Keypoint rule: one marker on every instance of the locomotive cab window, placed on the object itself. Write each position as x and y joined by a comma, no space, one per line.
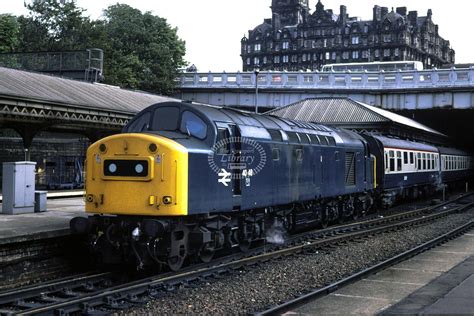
165,119
193,125
140,124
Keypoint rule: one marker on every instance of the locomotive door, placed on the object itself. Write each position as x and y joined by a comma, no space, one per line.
236,150
228,148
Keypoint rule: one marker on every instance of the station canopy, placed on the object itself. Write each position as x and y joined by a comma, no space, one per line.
350,114
30,86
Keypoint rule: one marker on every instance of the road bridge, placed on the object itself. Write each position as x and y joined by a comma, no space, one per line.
402,90
442,99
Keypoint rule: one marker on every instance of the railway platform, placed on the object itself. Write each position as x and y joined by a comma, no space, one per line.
439,281
61,207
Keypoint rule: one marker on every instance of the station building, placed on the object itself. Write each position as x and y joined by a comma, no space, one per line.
295,39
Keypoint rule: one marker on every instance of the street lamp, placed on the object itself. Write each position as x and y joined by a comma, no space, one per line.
256,72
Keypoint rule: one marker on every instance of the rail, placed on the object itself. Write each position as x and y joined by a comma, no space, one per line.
432,78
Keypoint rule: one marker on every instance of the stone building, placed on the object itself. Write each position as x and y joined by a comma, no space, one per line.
296,39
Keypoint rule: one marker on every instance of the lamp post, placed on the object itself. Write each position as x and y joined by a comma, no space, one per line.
256,72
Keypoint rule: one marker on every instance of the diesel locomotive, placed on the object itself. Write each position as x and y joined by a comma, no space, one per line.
183,181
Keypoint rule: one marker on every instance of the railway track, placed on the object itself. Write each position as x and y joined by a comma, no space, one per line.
93,294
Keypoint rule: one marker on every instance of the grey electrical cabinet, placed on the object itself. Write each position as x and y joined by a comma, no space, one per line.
18,187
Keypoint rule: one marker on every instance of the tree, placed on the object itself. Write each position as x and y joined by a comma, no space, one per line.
61,25
144,50
9,32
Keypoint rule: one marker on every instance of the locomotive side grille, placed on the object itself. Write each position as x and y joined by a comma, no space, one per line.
350,169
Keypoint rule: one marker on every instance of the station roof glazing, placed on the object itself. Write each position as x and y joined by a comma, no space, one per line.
24,85
346,113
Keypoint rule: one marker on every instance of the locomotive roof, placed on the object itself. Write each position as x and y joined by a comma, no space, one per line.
239,117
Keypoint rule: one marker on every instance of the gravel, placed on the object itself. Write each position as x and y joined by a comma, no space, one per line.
255,288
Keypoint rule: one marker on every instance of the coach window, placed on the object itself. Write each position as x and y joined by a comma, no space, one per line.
405,158
399,161
193,125
391,155
418,156
412,158
424,160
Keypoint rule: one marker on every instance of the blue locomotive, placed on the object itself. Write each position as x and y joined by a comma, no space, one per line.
186,180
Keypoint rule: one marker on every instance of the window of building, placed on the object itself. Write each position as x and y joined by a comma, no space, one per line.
276,59
294,58
377,53
257,47
366,28
386,52
285,58
328,55
387,38
345,55
248,61
355,40
397,52
265,59
334,55
285,45
256,61
365,54
355,54
325,43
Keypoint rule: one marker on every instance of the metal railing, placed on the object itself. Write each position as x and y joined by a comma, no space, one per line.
332,80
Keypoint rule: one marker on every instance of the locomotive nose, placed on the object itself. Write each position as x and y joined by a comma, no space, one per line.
137,174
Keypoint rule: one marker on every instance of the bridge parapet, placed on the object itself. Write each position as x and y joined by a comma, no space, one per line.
432,78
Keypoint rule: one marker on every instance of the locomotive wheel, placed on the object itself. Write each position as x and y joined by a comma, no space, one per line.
175,263
207,253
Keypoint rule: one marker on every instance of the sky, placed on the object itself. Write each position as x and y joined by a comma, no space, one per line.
212,29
